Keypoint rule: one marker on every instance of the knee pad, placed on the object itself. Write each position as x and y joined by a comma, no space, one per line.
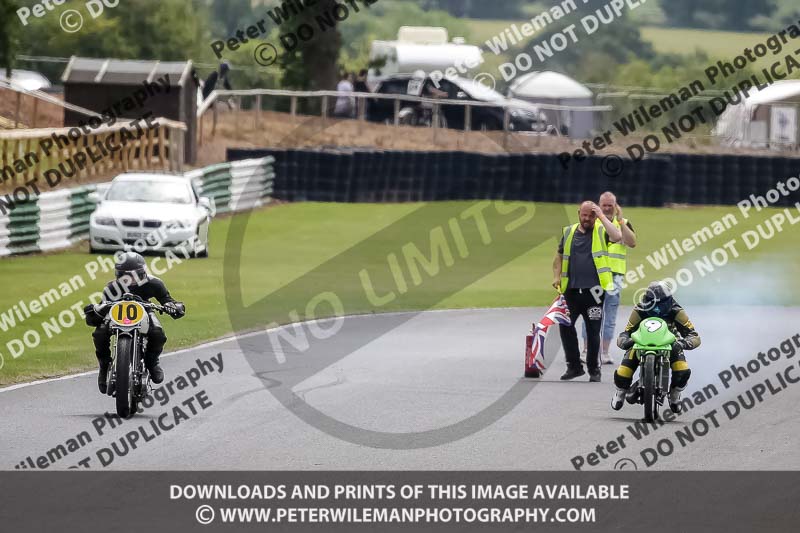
622,382
623,377
681,377
155,342
102,344
101,333
157,336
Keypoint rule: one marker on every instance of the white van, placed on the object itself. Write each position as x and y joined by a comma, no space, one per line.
421,48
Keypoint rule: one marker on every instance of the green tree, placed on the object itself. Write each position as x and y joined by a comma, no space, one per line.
784,12
9,24
742,13
227,16
164,29
734,15
597,54
478,8
681,13
311,64
145,29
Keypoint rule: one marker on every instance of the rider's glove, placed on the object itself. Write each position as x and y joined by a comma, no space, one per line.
625,343
175,309
684,344
93,318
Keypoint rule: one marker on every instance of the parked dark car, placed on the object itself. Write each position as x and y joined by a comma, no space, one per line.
524,116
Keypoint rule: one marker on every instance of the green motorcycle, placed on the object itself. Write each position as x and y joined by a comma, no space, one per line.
653,349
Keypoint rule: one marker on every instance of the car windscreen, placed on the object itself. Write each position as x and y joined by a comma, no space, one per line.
149,191
479,91
394,87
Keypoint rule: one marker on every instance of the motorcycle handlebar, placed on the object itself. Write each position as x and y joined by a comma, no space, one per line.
105,306
161,309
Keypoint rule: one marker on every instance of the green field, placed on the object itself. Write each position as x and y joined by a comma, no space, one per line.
665,40
482,30
719,44
287,242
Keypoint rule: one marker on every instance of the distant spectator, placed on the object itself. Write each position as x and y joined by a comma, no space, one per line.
360,86
344,104
195,78
198,84
214,77
421,85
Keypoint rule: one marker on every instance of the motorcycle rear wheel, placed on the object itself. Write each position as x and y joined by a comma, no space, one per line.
124,381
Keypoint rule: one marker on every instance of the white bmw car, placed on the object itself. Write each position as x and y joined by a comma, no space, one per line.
150,212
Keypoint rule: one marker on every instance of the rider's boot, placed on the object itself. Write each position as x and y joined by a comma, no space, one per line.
675,399
156,373
619,398
633,393
102,376
151,356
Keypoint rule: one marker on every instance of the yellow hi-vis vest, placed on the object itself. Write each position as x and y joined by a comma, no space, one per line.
617,254
599,254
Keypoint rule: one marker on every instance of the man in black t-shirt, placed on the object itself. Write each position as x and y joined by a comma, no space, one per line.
581,273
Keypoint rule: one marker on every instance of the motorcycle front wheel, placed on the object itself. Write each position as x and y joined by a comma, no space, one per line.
649,386
124,381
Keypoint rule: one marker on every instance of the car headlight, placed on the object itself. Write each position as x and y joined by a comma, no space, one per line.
104,221
179,224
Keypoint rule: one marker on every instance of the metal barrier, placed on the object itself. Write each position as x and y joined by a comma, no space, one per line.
59,219
360,98
236,186
48,222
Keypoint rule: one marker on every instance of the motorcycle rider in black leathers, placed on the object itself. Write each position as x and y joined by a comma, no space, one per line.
657,302
132,277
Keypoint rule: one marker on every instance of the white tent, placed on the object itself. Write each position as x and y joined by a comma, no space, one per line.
767,118
559,89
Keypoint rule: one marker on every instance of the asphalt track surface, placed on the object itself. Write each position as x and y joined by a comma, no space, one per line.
432,371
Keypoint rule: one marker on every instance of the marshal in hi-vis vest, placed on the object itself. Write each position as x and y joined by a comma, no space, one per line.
599,255
617,254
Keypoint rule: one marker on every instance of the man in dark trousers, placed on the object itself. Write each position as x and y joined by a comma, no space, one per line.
582,273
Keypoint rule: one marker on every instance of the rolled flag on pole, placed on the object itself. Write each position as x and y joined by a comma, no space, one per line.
534,343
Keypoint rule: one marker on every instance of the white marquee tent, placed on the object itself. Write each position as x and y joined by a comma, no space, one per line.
558,89
768,118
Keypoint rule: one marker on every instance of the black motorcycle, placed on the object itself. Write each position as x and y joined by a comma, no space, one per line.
128,378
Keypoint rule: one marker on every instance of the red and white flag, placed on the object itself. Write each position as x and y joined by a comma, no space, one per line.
534,343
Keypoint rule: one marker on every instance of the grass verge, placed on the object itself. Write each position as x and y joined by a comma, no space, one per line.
284,242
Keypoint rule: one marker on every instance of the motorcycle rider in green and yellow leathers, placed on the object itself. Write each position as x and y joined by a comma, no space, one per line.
657,302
